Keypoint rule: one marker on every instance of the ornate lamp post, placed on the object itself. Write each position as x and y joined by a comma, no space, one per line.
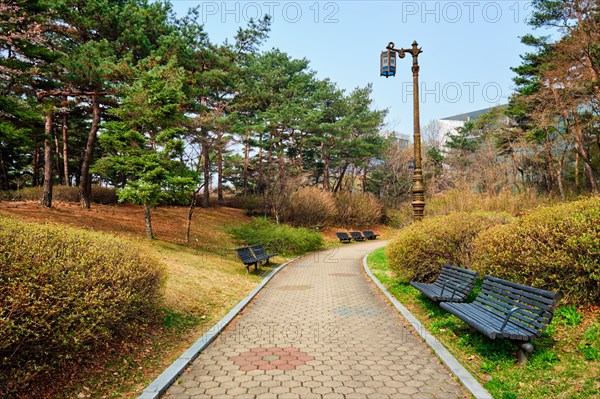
388,68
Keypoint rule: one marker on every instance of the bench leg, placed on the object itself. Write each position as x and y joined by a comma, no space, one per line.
525,349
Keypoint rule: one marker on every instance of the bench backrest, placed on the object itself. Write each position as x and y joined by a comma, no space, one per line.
536,306
245,254
258,250
356,234
456,278
342,236
368,233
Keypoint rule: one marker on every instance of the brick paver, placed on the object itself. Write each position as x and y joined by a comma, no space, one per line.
319,329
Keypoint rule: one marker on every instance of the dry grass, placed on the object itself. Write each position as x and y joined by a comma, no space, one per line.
468,200
205,280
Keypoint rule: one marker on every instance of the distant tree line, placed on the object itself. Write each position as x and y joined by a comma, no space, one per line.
548,138
127,94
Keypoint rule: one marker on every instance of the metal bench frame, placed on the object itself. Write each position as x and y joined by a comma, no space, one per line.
454,284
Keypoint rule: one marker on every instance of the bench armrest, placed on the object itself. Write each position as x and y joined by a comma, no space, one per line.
452,288
516,309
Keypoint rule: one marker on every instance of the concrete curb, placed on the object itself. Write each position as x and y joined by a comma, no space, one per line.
164,381
463,375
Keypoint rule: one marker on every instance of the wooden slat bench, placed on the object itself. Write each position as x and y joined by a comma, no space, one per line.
343,237
357,236
452,285
369,235
504,309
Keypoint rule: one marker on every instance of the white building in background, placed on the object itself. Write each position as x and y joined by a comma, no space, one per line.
449,125
403,139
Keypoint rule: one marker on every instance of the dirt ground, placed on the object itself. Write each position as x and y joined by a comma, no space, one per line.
169,223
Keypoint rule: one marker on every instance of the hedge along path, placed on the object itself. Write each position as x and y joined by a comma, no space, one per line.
319,329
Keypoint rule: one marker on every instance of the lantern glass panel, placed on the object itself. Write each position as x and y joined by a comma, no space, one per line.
388,63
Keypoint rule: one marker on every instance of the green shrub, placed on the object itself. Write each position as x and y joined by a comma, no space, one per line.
66,291
310,206
280,238
419,251
554,247
357,211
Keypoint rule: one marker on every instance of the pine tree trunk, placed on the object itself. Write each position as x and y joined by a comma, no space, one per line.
260,167
36,165
577,171
191,214
206,160
3,174
363,186
148,220
338,184
85,187
246,159
269,176
46,200
300,149
65,151
326,173
57,160
587,167
281,162
220,198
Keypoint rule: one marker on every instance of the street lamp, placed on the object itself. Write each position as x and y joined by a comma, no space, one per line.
388,68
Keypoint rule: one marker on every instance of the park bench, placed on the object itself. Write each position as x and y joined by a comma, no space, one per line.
357,236
504,309
452,285
260,253
369,235
247,257
343,237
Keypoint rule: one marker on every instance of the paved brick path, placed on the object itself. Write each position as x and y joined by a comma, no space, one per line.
319,329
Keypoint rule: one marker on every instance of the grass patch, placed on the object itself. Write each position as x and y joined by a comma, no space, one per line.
564,364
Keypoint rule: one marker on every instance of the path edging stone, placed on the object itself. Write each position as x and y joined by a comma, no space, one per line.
461,373
164,381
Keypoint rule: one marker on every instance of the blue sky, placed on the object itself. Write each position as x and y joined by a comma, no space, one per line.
468,46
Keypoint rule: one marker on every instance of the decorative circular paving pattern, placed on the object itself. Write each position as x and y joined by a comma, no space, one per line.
342,274
271,359
298,287
356,311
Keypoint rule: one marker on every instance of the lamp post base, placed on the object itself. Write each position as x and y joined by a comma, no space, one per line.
418,197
